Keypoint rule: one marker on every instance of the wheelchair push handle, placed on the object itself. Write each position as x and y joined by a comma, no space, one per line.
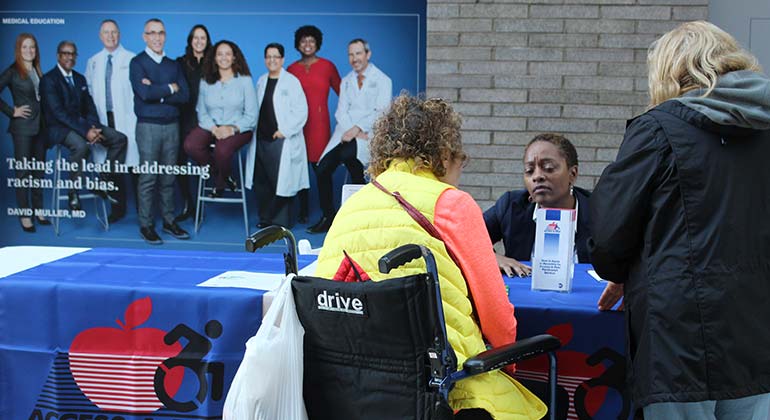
265,237
406,253
398,257
270,234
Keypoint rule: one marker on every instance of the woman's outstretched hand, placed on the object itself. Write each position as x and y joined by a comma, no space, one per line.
511,267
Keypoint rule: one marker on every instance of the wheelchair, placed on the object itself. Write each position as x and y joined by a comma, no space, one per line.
379,350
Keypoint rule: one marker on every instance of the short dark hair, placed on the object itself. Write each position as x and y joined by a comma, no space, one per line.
361,40
566,149
210,69
66,42
112,21
308,30
154,20
275,45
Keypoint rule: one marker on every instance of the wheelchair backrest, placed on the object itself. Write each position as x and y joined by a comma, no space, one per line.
366,347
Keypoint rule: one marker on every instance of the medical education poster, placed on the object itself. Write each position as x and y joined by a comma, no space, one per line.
395,32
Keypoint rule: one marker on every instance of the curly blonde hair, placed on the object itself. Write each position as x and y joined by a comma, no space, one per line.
426,130
693,56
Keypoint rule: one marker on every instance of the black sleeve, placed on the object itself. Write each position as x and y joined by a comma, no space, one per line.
5,81
620,201
493,216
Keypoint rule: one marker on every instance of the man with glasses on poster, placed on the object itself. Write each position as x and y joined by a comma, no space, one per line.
159,88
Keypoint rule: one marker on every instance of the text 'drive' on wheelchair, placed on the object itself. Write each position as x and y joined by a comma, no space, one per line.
379,350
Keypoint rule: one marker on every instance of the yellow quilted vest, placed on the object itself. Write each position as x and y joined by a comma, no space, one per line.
370,224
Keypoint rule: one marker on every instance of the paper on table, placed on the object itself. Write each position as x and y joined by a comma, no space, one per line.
253,280
245,279
348,190
305,248
15,259
596,276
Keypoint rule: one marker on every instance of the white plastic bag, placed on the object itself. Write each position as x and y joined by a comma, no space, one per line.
268,383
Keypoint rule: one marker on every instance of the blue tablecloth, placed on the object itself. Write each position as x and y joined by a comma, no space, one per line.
591,361
67,333
67,329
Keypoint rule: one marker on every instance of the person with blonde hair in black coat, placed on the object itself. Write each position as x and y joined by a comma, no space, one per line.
681,218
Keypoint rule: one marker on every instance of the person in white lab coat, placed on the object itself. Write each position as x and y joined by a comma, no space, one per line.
365,93
277,152
114,100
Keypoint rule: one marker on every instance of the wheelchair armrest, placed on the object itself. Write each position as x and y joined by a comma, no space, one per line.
511,353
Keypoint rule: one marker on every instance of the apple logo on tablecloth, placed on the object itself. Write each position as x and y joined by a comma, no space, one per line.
115,367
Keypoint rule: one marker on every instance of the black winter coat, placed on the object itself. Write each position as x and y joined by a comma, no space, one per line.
684,215
188,116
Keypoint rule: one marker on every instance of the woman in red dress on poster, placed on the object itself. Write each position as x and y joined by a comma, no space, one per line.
316,75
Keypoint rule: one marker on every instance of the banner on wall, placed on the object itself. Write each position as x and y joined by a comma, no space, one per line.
394,30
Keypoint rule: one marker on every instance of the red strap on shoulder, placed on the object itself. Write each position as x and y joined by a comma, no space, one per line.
419,218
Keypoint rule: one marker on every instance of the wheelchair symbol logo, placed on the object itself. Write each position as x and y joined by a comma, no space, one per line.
191,358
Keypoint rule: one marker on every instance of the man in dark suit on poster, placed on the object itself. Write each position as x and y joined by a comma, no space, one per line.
72,121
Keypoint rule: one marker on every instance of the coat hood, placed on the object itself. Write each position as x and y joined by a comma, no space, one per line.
740,99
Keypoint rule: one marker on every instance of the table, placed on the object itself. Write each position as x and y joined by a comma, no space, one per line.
83,337
592,359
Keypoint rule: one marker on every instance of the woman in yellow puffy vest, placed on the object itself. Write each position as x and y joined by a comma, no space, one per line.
416,150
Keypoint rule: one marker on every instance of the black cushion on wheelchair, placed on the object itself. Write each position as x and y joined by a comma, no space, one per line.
366,348
511,353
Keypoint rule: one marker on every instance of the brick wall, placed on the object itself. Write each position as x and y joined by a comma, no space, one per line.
515,68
